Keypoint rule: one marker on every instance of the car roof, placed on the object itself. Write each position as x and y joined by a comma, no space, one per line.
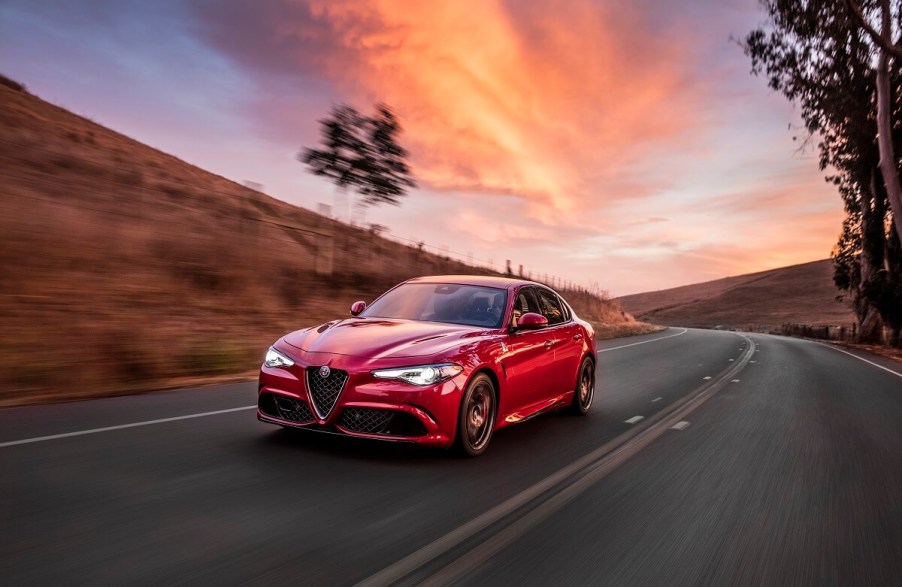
483,280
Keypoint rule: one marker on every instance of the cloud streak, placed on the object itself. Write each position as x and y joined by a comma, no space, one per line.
558,104
623,143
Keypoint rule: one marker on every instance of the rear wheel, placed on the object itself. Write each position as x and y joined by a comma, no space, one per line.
585,388
476,420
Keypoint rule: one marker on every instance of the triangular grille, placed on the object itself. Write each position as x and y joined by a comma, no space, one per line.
324,391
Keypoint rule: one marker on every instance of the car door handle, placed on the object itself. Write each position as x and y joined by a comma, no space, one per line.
577,337
548,344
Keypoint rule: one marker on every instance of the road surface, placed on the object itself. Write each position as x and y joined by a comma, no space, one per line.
709,458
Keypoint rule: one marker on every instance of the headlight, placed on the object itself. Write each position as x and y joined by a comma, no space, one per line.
422,375
276,359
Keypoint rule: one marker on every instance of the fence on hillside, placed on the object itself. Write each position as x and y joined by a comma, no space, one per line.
832,332
840,332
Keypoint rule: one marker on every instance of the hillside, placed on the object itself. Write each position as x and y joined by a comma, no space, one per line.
801,294
124,268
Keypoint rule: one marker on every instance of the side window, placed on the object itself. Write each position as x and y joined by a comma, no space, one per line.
523,303
551,307
568,313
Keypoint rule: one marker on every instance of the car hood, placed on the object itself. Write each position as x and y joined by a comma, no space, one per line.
377,338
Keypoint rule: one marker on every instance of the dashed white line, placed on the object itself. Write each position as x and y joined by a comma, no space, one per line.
680,425
634,419
657,399
706,378
685,330
731,360
122,426
735,381
597,463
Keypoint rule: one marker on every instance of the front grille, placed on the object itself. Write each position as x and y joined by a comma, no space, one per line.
284,408
324,391
372,421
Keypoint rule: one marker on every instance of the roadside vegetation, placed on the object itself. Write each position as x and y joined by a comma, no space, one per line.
125,269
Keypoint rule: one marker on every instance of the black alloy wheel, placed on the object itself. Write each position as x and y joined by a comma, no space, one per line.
585,388
476,420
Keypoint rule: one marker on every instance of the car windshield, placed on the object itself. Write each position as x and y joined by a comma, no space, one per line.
454,303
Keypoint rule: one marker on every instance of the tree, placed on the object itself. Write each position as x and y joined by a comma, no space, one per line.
886,49
362,153
816,54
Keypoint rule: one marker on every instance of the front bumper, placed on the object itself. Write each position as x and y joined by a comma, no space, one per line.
366,407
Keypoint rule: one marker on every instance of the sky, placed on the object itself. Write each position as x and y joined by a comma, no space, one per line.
623,145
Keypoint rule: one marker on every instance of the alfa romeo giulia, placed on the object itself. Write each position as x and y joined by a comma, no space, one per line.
440,361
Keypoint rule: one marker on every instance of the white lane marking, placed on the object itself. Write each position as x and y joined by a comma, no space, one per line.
751,361
731,360
888,370
614,348
680,425
634,419
657,399
599,462
121,426
706,378
735,381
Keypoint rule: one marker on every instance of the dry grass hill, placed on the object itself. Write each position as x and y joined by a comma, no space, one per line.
800,294
123,268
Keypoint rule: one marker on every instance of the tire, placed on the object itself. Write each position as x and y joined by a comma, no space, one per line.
476,419
585,388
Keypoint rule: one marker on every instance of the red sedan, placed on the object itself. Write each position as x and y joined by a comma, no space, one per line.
439,361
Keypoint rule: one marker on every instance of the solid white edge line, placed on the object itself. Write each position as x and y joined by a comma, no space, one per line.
614,348
121,426
887,369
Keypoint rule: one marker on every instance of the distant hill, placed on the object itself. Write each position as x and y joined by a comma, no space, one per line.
125,268
801,294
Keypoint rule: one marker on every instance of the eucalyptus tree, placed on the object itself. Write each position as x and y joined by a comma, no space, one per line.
817,54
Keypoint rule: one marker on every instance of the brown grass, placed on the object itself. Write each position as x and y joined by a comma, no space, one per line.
125,269
800,294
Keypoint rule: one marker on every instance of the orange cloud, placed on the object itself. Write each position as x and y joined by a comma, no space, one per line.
606,133
553,103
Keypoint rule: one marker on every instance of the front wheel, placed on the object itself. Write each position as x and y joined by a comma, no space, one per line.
585,388
476,420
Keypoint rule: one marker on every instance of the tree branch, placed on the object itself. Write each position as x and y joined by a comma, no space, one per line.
883,42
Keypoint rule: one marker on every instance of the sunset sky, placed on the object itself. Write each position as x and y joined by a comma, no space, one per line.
621,143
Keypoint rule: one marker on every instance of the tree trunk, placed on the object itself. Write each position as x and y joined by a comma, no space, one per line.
869,320
871,331
888,168
895,337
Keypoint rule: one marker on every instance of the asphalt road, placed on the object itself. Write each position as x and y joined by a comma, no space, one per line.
756,460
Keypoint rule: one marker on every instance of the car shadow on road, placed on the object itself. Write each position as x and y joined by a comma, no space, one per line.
522,441
307,441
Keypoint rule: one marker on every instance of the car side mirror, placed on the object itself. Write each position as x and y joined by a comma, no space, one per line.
531,321
357,308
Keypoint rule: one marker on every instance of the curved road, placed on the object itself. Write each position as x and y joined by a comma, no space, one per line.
710,457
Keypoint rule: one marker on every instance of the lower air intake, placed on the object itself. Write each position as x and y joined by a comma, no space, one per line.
284,408
385,422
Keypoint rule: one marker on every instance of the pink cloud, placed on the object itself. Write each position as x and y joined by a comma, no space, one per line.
557,112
